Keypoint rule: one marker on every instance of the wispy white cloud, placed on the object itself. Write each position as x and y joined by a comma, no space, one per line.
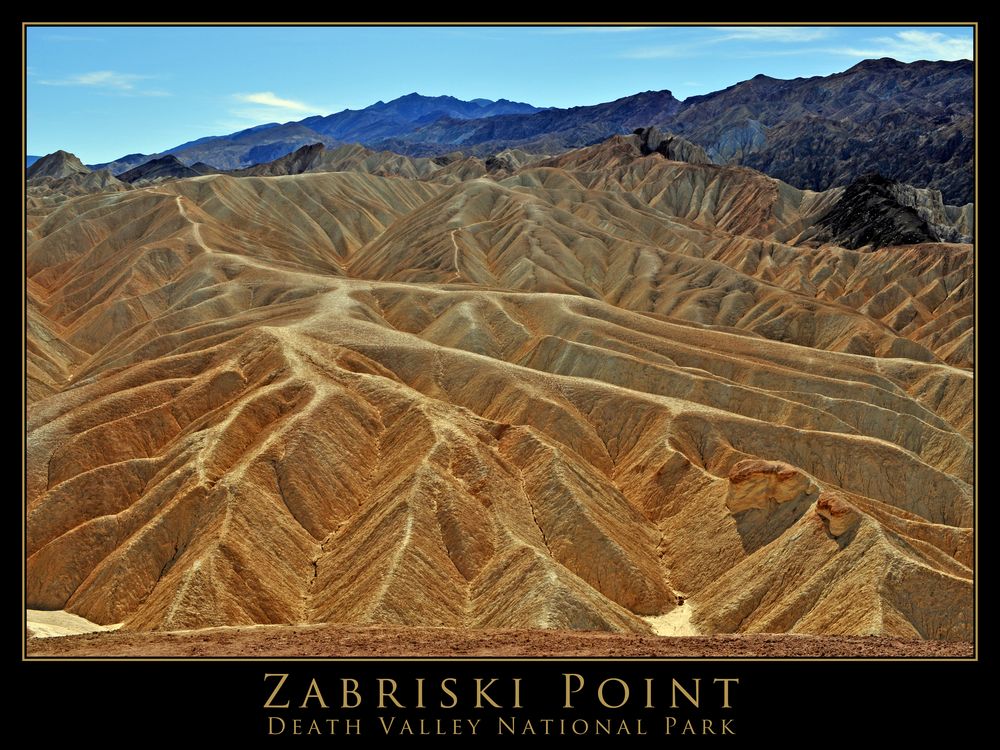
721,35
269,99
102,78
108,81
269,107
908,46
775,34
746,43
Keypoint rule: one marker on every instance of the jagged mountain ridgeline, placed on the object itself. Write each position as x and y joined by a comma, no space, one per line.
619,388
912,123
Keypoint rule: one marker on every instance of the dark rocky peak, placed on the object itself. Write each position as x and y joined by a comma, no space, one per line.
161,168
673,147
57,164
870,214
879,65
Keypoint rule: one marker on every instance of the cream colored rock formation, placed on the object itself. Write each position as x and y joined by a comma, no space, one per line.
763,484
841,516
552,399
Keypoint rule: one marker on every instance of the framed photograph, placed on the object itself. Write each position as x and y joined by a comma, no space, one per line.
606,380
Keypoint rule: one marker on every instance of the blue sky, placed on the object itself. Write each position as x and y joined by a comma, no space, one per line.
102,92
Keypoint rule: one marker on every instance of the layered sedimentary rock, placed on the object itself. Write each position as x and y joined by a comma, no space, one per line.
553,399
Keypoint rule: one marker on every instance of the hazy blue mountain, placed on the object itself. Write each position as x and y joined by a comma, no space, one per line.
264,143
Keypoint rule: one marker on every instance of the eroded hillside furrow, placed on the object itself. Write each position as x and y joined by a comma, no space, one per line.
545,396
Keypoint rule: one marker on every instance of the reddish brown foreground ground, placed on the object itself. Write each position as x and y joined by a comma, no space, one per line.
325,640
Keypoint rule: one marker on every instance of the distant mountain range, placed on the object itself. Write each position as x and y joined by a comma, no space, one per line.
911,122
264,143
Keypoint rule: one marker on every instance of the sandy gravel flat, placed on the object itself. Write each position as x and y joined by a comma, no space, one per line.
676,622
327,640
56,623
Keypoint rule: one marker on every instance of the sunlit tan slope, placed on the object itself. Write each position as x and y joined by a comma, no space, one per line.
564,399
